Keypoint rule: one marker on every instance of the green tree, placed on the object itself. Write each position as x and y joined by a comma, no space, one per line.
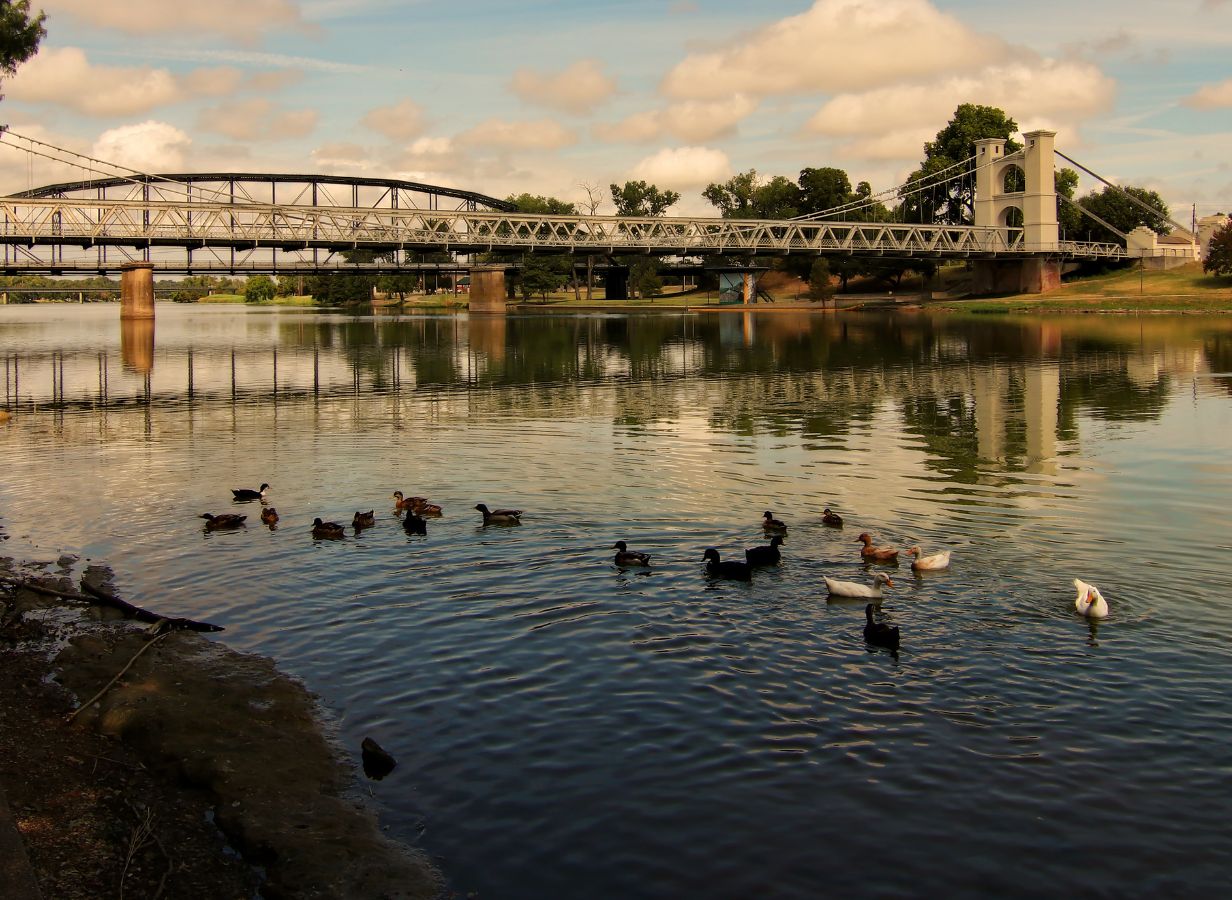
1219,254
1065,180
637,198
824,188
952,202
259,289
745,196
543,273
1115,207
336,288
20,34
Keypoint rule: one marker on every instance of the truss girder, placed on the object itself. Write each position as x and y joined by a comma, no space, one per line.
140,223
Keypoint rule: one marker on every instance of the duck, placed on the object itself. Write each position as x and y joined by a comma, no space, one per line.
627,557
499,516
879,634
423,508
924,563
364,519
269,516
401,502
415,524
737,571
765,556
880,554
1090,602
854,589
831,518
326,529
249,494
223,522
770,523
377,761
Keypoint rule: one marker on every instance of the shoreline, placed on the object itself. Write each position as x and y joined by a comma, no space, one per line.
202,772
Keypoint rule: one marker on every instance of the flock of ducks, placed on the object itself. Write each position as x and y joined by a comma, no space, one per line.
1089,602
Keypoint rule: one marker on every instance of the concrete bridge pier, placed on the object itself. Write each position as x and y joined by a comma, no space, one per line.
137,290
488,290
1015,276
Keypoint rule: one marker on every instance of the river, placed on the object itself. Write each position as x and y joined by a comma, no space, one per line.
565,728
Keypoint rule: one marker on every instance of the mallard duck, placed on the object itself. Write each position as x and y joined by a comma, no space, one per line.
770,523
737,571
499,516
223,522
833,519
880,554
327,529
765,556
401,502
269,516
423,508
924,563
627,557
415,524
1090,602
364,519
854,589
249,494
879,634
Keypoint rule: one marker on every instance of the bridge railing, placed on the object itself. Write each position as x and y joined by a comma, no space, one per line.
106,222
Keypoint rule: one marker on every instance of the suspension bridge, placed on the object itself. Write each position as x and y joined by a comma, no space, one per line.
118,219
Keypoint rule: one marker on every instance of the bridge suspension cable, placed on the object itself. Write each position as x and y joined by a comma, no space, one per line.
1128,196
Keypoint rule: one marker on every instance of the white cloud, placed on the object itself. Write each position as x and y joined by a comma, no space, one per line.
239,19
257,119
696,120
400,122
684,167
837,45
66,77
148,147
543,134
216,82
1211,96
578,89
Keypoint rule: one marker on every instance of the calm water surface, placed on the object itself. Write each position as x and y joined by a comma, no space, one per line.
567,729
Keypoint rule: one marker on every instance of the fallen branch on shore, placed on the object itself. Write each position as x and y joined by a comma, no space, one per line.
95,596
144,647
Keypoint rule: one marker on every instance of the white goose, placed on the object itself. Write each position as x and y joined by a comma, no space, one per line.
852,589
1090,602
936,561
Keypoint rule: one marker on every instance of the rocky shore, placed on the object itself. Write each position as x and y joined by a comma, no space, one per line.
201,772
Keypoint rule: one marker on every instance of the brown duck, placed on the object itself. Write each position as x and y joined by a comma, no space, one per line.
877,554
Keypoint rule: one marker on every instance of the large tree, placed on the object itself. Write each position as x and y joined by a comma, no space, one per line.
637,198
940,199
1219,254
746,196
20,34
542,273
824,188
1115,207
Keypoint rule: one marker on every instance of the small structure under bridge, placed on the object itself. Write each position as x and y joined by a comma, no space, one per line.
137,224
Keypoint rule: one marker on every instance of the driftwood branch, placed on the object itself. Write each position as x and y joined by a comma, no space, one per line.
144,615
96,596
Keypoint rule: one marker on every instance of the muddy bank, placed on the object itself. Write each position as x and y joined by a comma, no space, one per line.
193,736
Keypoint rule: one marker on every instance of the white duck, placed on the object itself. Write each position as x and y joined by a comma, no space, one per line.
852,589
936,561
1090,602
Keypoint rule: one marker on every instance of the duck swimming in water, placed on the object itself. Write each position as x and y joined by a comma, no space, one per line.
327,529
415,524
737,571
879,634
364,519
499,516
878,554
833,519
269,516
627,557
249,494
770,523
854,589
928,563
1090,602
223,522
765,556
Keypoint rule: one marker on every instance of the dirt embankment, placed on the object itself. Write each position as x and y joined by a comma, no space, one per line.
201,772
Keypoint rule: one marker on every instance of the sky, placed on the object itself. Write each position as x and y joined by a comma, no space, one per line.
553,97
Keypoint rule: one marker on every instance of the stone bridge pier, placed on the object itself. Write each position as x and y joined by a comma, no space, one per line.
137,290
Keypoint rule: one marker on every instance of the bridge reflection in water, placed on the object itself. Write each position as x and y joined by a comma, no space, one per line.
819,375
